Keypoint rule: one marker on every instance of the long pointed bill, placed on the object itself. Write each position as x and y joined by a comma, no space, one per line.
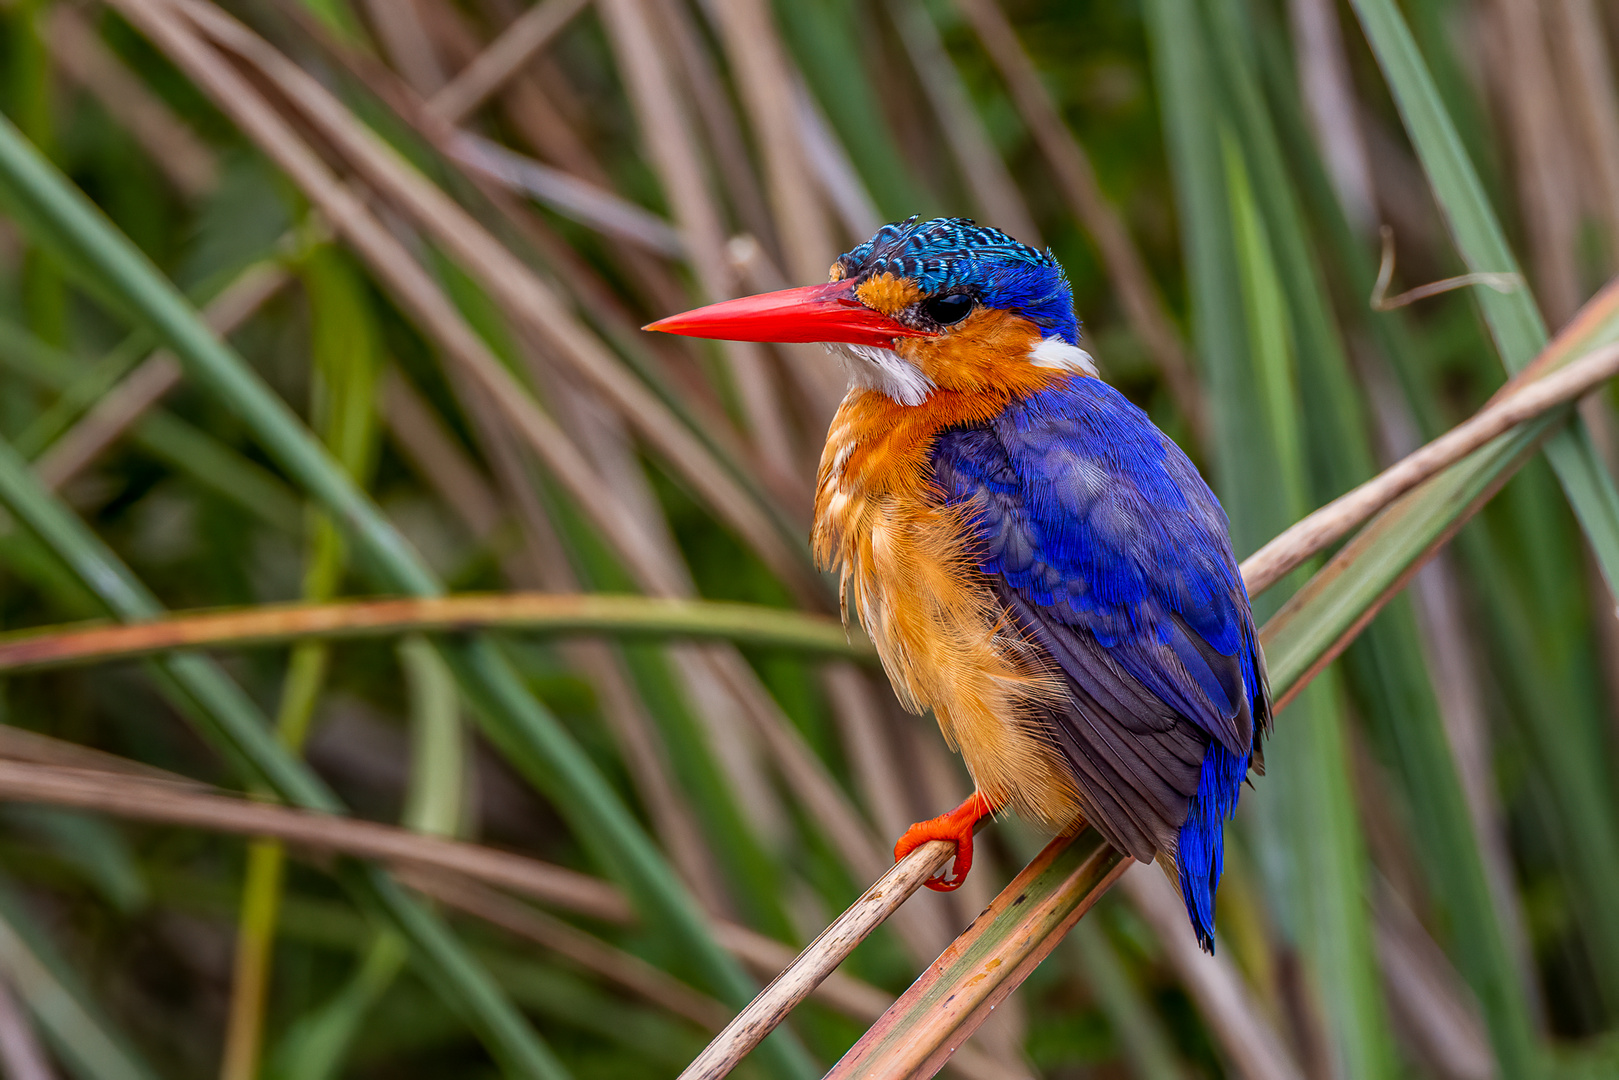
812,313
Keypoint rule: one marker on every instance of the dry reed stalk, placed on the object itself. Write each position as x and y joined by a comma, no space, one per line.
588,951
1525,86
129,791
645,754
991,958
1143,306
994,191
573,198
667,133
1223,999
530,303
494,67
116,411
398,28
22,1056
1593,97
824,954
1523,400
393,265
142,799
765,78
721,126
1430,999
1328,92
429,446
170,144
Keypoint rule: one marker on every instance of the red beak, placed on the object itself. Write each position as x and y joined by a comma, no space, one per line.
812,313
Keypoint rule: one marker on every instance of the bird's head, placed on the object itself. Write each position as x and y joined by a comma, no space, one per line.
923,305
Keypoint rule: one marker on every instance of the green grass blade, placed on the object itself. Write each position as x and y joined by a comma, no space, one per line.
1312,804
1513,319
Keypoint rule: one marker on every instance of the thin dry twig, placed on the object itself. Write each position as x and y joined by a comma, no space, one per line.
1381,301
588,951
987,176
493,68
158,801
1338,518
127,789
667,134
765,79
1143,306
579,200
991,958
818,960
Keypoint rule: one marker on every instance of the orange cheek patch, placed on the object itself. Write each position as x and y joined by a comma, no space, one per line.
888,294
986,351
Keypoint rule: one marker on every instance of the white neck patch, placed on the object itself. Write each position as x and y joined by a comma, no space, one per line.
884,370
1054,352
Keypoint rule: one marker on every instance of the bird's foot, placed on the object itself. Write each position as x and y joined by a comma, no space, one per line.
957,825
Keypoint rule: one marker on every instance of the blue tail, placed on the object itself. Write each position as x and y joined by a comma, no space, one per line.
1202,838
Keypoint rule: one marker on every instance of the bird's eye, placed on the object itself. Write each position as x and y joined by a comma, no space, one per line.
945,310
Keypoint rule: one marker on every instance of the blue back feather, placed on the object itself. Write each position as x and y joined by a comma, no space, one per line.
1099,523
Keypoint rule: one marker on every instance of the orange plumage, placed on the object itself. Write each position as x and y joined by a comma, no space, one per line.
905,560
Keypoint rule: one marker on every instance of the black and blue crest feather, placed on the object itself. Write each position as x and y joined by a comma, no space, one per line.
957,254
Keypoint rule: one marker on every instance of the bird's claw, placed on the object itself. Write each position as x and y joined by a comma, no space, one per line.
957,826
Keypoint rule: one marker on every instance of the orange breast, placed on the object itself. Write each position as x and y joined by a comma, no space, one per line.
945,641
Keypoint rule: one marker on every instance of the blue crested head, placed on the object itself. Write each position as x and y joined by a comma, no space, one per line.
958,256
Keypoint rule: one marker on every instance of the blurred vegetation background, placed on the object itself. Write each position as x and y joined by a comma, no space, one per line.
429,230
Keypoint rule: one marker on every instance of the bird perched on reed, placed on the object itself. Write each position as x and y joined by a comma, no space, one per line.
1035,561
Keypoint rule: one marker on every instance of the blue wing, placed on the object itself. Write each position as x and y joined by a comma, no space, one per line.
1108,549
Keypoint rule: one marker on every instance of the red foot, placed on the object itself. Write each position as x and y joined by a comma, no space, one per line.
957,825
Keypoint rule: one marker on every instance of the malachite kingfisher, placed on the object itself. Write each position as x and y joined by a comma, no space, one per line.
1035,560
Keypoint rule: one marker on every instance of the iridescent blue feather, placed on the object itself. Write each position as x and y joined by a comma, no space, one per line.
1108,547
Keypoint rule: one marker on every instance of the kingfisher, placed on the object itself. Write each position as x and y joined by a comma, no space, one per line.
1034,559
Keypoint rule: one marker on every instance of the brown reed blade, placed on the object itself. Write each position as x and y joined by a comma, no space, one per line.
491,69
987,962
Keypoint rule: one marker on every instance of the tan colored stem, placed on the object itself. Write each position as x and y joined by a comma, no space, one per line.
818,960
494,67
149,800
1338,518
1137,293
590,952
169,142
1223,998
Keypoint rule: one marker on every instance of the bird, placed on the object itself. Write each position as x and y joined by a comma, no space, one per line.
1035,561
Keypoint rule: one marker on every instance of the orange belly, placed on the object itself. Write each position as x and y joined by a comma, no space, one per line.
944,639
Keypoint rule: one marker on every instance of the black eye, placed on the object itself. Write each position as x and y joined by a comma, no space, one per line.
945,310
